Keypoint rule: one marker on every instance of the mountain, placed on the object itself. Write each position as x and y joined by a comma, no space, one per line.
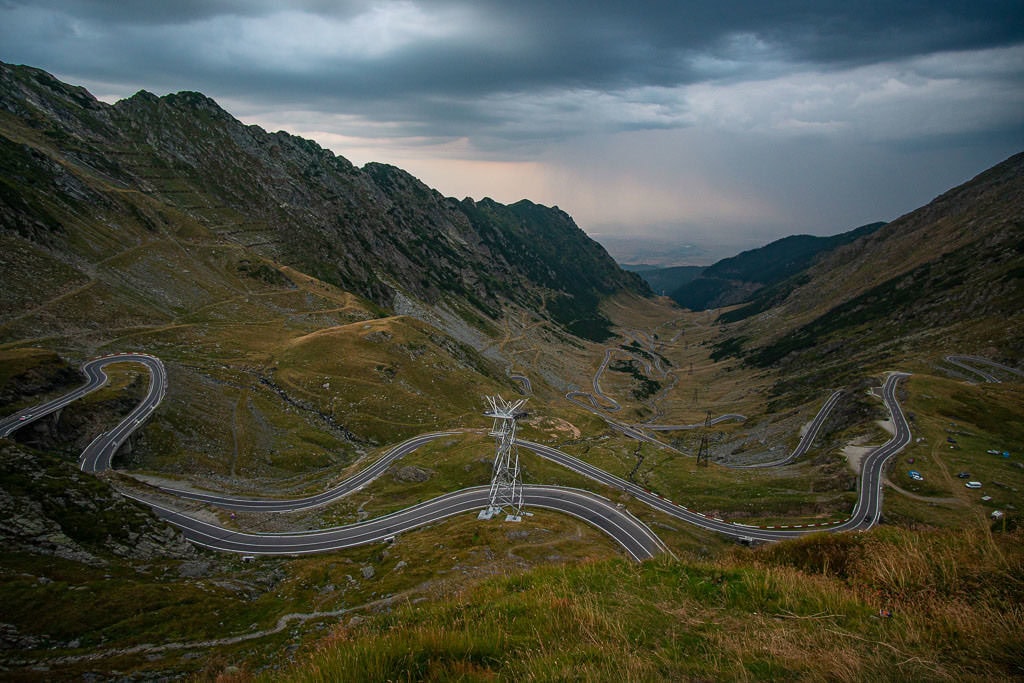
664,280
946,278
312,315
377,232
734,280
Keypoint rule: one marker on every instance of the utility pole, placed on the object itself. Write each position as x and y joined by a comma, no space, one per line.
506,485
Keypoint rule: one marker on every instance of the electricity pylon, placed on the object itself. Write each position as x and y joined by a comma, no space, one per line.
506,486
703,454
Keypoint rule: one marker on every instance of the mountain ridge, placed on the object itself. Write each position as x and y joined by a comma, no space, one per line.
736,279
376,231
946,277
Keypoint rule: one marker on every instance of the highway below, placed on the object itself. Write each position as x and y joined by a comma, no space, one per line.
635,538
964,363
810,434
639,542
865,514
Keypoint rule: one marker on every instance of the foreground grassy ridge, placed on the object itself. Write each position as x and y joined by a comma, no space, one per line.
91,615
807,610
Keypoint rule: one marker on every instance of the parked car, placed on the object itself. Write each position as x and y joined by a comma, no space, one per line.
964,475
973,484
915,475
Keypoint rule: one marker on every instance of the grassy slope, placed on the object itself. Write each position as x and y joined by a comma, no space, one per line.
807,610
280,381
643,634
223,426
946,277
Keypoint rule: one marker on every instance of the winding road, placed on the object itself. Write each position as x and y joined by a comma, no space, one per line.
964,363
866,511
636,538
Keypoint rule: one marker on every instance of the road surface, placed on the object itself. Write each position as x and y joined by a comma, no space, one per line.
964,363
631,534
805,441
635,538
866,511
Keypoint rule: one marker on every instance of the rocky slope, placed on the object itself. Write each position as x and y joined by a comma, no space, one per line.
50,507
946,278
735,279
69,160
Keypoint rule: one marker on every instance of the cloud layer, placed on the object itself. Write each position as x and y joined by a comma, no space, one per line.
652,116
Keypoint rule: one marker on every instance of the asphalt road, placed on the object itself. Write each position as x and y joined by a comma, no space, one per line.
353,483
98,455
638,541
869,499
964,363
866,511
95,378
636,538
805,442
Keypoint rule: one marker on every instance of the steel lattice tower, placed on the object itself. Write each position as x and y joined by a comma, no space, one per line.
506,486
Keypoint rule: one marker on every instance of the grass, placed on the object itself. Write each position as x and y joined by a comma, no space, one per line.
16,362
773,613
978,418
280,381
77,609
30,375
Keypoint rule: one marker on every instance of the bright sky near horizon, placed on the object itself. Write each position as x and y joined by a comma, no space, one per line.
724,121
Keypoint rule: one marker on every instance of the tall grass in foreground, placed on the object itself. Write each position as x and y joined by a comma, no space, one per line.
805,610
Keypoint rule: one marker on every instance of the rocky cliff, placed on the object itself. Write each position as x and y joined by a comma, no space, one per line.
50,507
69,159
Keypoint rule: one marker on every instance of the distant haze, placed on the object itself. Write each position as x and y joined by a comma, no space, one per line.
710,122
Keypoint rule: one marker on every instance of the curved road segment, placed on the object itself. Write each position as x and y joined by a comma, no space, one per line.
964,363
639,541
806,440
866,511
633,535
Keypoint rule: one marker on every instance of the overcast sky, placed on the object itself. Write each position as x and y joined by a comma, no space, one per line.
724,121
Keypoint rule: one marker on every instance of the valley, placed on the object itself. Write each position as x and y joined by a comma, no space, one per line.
307,347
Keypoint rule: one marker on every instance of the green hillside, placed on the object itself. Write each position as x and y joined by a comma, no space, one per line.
311,315
739,278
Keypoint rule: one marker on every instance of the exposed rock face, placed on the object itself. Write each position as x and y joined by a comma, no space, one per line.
49,507
375,231
411,474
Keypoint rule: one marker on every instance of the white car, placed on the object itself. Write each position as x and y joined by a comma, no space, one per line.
973,484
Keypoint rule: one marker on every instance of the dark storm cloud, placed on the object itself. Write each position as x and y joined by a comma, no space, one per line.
507,46
621,112
156,12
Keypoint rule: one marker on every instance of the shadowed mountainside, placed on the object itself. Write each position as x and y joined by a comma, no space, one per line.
736,279
377,232
946,278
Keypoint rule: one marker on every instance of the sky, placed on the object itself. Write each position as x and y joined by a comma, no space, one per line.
708,122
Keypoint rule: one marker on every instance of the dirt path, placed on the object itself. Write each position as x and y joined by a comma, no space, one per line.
924,499
282,624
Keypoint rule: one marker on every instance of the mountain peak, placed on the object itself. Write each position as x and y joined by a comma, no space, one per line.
378,231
